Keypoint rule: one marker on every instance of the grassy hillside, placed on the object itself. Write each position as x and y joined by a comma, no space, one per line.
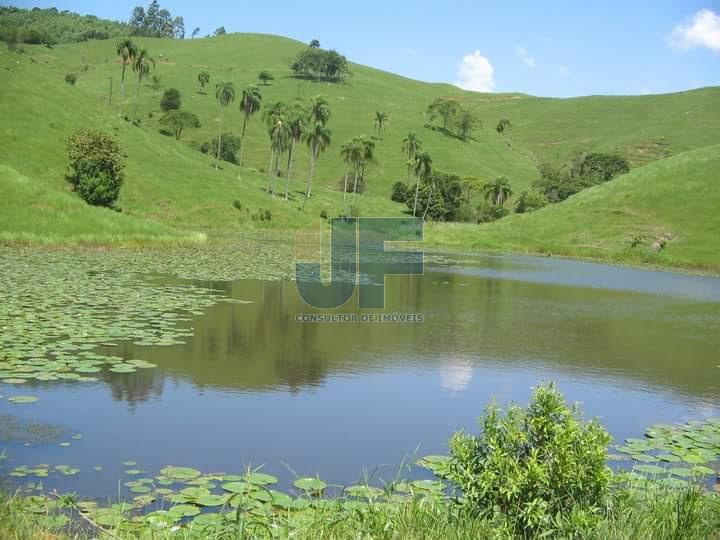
679,196
173,191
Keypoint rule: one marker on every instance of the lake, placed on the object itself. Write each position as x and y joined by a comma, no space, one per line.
253,386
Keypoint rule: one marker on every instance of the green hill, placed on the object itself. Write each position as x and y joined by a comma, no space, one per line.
172,190
677,197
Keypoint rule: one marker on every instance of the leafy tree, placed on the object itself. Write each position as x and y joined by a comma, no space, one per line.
445,109
318,139
316,63
228,144
503,125
596,168
530,201
440,196
314,44
96,168
156,22
498,191
296,124
171,100
195,32
203,79
127,51
265,77
488,212
225,94
71,79
381,119
219,31
468,185
250,103
176,121
422,166
142,65
466,123
411,146
529,466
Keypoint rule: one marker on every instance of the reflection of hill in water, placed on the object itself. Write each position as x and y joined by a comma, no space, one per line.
491,323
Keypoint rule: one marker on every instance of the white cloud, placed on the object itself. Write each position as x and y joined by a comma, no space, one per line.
476,73
524,55
702,30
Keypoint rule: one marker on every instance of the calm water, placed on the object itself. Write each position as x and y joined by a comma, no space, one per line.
253,386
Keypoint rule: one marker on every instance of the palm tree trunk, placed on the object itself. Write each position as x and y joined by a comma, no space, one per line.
122,86
310,176
137,97
217,157
345,187
272,155
417,190
276,170
352,199
242,139
432,191
289,169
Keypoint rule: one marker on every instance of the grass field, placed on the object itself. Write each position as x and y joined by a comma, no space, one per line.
173,192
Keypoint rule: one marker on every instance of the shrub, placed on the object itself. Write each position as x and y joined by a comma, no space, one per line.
265,77
399,192
71,79
530,466
323,214
529,201
230,144
237,204
490,212
95,167
262,214
170,100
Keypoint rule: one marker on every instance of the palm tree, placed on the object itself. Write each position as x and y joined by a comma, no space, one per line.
422,165
142,65
319,112
351,153
126,50
279,141
296,127
411,146
498,191
318,139
225,94
381,119
273,114
203,79
250,103
367,157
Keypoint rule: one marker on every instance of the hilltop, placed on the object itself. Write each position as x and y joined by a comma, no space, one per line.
172,191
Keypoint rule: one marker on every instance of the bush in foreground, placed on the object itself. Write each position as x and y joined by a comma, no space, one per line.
96,168
529,466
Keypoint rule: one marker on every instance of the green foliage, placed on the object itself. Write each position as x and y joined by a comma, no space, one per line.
50,26
96,169
316,63
71,79
171,100
498,191
455,119
530,466
175,122
265,77
503,125
488,212
203,78
400,192
220,31
155,22
229,145
586,170
529,201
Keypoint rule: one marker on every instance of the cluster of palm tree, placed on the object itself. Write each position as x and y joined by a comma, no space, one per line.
357,153
418,161
141,63
498,191
381,119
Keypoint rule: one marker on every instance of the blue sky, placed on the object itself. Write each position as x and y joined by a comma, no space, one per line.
559,48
